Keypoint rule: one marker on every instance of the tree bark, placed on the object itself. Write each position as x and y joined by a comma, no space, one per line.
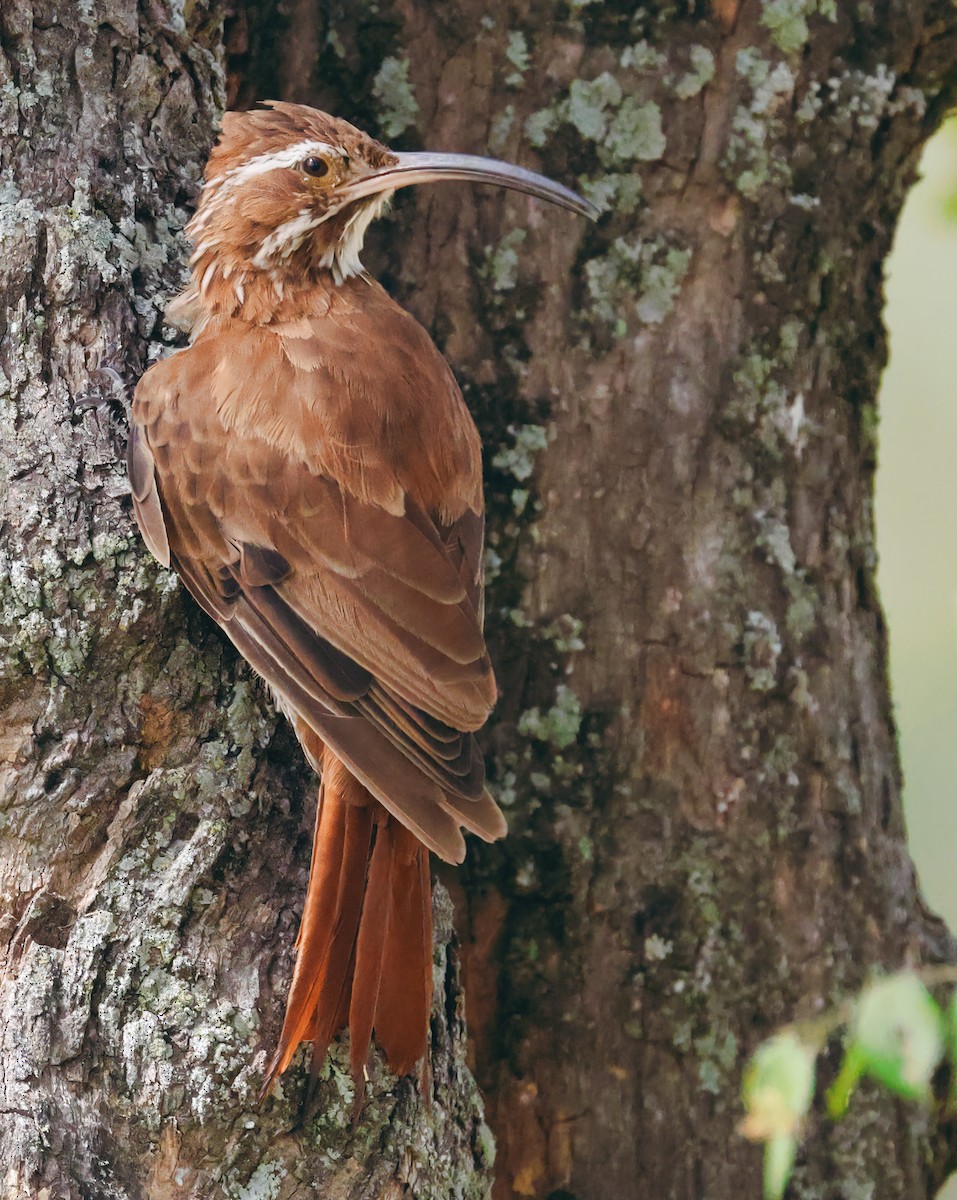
695,740
156,820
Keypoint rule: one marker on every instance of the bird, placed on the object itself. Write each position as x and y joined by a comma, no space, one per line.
309,468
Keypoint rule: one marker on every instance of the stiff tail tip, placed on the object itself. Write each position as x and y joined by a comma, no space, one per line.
365,940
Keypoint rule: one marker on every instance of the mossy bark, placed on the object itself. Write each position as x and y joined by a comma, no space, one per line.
695,740
155,819
695,737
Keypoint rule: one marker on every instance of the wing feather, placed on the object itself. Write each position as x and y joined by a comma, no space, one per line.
351,583
146,502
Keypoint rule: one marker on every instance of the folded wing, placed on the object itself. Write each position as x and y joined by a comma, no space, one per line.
363,617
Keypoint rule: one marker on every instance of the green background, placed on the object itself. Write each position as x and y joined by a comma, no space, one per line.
917,514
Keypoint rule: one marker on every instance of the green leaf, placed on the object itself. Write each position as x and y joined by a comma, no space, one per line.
778,1086
951,1048
839,1093
897,1037
778,1164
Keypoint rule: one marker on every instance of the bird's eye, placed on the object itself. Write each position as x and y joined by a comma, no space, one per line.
315,166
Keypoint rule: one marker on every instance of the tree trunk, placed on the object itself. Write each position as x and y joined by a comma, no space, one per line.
694,740
156,820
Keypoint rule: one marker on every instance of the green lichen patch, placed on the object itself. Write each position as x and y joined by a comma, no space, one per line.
619,122
614,192
502,261
770,420
717,1058
635,132
621,129
501,129
56,614
699,74
557,726
552,738
265,1183
761,406
518,459
754,159
398,109
642,56
591,104
867,98
565,634
516,51
787,20
762,650
636,279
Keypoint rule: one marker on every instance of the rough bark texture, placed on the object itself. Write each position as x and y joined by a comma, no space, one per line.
156,821
695,738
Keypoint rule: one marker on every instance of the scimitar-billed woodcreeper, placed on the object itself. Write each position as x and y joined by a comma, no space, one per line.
309,468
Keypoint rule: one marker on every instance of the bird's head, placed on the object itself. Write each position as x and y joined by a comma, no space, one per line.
290,192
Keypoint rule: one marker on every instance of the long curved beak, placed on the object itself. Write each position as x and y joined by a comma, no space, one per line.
438,168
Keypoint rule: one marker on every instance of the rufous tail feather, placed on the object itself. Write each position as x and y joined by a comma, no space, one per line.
364,951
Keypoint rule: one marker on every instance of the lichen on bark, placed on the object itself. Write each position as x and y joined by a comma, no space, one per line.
154,818
694,738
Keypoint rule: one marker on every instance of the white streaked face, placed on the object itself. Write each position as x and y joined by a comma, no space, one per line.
276,205
304,203
289,156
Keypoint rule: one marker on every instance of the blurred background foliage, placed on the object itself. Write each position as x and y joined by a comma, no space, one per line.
917,514
917,517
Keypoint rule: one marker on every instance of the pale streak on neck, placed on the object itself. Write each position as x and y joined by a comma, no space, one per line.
223,286
342,259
